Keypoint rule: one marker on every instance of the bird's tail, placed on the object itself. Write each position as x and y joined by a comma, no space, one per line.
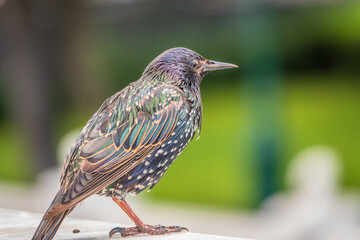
48,227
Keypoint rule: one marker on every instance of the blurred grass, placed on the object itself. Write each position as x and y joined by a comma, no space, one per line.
324,112
14,164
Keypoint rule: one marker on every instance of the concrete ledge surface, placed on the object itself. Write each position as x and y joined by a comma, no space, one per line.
19,225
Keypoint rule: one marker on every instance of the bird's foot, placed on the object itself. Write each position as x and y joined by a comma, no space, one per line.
146,229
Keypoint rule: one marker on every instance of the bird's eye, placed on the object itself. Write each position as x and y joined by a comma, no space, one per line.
193,64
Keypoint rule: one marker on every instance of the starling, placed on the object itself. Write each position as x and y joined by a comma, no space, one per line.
130,142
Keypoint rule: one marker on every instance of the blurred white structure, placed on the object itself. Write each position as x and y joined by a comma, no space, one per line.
315,209
19,225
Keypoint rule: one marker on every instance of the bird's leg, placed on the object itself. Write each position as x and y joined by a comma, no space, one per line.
141,228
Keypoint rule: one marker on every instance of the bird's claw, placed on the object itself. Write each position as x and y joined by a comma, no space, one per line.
146,229
124,232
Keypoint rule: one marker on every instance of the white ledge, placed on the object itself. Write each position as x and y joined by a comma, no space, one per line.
19,225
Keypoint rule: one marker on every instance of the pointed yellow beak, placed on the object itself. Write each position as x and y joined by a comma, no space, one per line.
211,65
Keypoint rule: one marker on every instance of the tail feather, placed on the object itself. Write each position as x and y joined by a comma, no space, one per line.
48,227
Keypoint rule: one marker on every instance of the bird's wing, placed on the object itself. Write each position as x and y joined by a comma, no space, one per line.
108,156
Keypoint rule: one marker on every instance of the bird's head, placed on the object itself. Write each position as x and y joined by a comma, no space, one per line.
183,67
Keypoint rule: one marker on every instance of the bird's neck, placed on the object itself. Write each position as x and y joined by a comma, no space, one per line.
192,93
190,89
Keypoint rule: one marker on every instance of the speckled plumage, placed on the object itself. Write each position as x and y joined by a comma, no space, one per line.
137,133
149,171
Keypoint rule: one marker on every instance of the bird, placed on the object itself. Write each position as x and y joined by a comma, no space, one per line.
133,138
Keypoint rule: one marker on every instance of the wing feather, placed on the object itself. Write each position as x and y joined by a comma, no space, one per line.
105,157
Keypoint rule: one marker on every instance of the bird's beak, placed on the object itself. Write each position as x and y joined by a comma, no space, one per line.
211,65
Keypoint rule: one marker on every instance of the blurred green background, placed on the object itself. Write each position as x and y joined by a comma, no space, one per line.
297,85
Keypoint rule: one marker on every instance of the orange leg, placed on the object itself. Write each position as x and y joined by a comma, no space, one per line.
141,228
127,209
